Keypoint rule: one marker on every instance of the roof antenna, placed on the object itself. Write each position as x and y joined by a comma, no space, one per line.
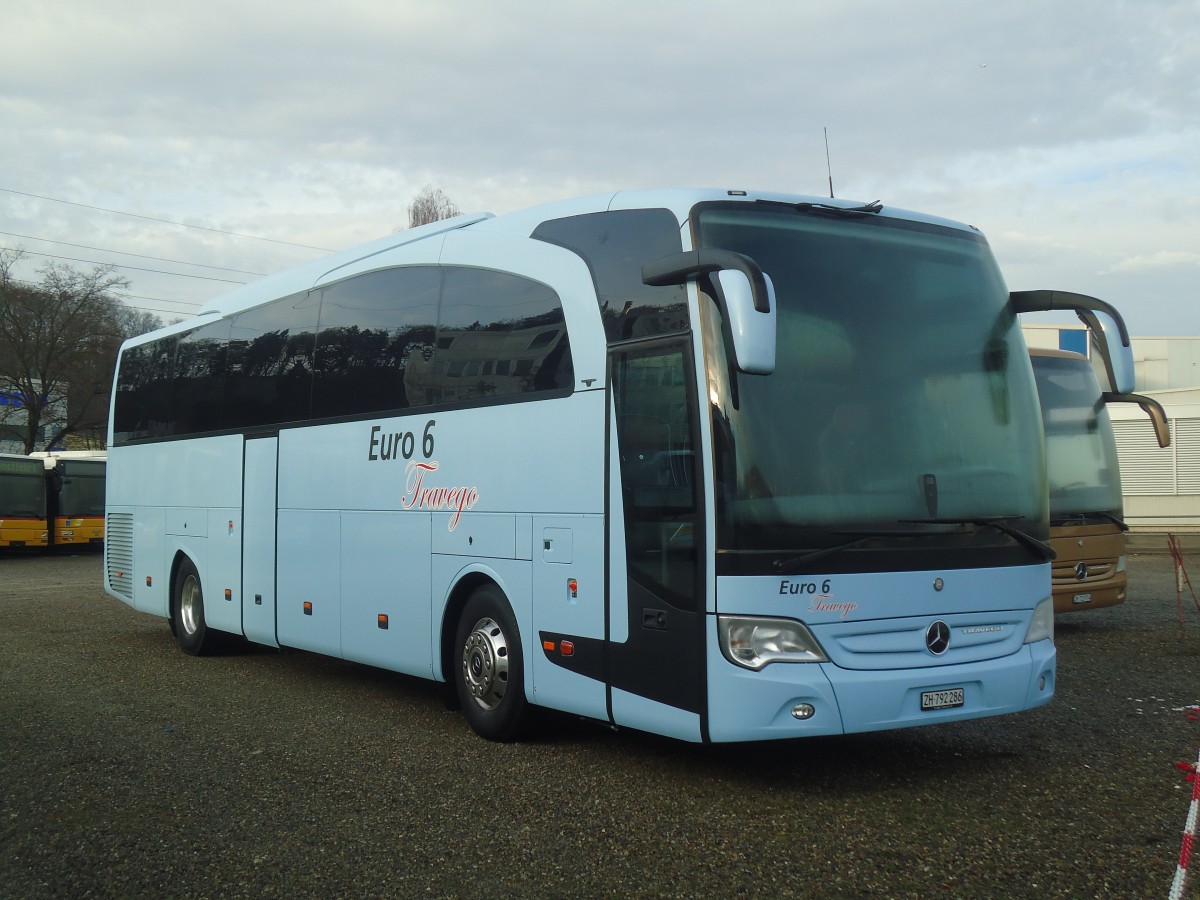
828,167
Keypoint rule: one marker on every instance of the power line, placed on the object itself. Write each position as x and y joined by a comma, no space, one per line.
195,303
118,212
179,262
131,268
166,312
123,297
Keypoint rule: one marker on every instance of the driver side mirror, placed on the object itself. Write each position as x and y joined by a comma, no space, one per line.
753,332
744,293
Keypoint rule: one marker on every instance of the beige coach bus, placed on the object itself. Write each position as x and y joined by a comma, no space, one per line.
1087,527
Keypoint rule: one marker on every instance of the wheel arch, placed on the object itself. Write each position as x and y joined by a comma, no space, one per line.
176,563
452,610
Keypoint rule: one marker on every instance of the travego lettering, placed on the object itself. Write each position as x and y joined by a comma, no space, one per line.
418,496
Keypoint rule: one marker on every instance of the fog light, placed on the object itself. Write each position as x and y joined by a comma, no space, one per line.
1042,683
803,711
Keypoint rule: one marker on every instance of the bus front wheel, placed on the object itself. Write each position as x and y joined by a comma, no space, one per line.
488,668
187,611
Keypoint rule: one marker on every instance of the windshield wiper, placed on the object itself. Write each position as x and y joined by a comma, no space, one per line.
1116,520
861,537
1039,548
865,209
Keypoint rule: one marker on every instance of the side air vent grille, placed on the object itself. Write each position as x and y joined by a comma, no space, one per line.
118,553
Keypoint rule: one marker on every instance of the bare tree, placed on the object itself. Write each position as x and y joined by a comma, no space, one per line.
132,322
58,344
431,205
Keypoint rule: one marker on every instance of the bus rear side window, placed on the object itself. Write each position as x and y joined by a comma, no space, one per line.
142,407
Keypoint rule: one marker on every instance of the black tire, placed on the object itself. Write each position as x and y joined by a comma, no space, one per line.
489,667
187,612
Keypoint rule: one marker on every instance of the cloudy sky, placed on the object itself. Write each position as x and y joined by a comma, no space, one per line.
1068,132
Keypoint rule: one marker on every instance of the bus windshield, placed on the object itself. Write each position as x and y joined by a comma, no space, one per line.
82,495
902,404
24,490
1081,456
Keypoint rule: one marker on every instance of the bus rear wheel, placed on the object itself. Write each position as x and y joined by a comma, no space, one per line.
187,611
489,667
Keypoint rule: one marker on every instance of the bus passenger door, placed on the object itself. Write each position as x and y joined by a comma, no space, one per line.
258,539
656,610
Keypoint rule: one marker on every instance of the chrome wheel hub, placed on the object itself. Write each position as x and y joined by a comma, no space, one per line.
485,663
190,605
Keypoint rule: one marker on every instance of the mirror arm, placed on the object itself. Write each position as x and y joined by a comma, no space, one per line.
681,267
1049,301
1151,407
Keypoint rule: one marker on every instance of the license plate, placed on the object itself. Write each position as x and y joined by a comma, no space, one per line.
942,699
1082,598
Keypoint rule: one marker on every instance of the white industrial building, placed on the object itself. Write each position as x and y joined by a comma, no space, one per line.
1161,486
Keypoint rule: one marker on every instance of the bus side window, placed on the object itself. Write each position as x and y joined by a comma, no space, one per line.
199,376
269,377
377,332
142,408
509,326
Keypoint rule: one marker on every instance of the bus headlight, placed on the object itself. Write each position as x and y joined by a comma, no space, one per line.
1121,563
755,642
1041,626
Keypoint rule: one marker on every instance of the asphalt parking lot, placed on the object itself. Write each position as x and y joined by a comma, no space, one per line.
129,769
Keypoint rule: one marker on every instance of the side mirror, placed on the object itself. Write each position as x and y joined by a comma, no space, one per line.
1104,334
744,292
753,332
1107,332
1152,408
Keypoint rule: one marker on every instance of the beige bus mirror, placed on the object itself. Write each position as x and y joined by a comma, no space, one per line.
1107,332
743,291
1152,408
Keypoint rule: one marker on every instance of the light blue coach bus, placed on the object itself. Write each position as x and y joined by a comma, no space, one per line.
719,465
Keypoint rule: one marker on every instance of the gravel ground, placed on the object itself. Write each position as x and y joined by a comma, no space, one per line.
128,769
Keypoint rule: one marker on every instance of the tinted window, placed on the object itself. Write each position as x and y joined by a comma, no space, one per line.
375,329
658,461
379,348
269,375
615,245
499,335
199,379
142,407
